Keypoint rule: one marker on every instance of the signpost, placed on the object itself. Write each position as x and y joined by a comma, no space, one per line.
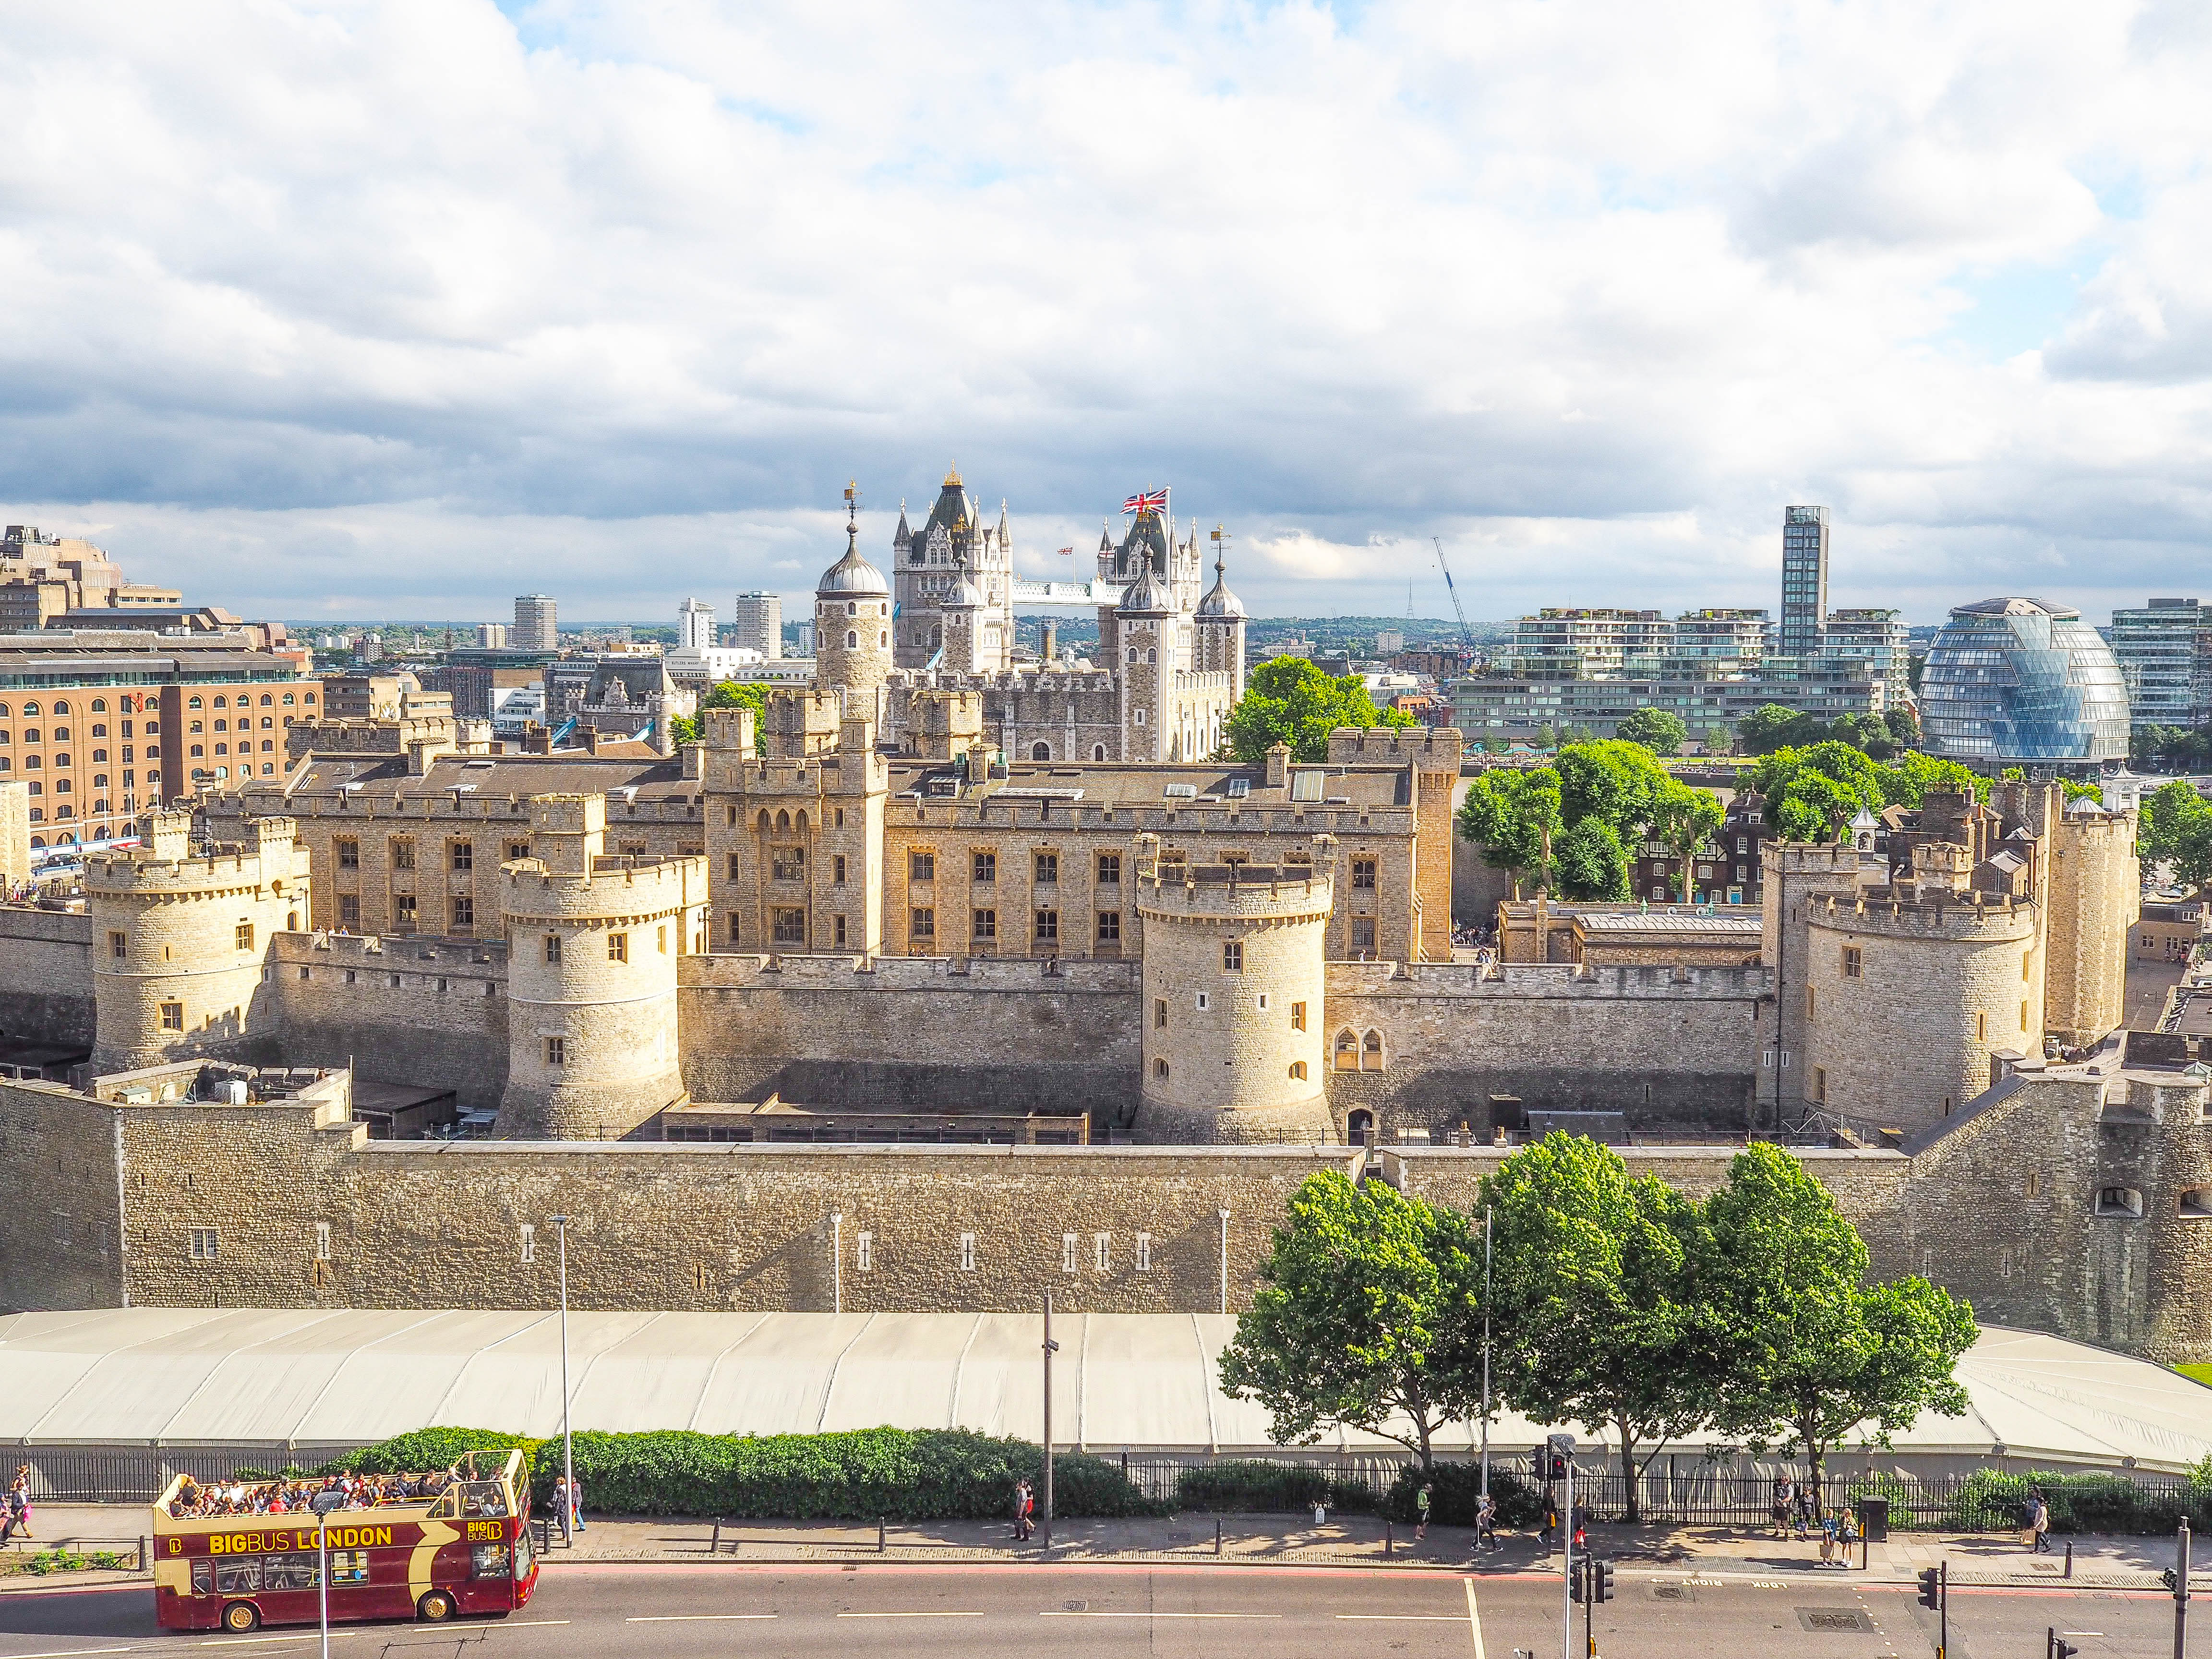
1560,1449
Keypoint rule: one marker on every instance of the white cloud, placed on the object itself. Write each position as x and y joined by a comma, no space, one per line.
384,308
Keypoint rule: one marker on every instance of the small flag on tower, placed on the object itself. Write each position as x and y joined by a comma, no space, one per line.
1153,500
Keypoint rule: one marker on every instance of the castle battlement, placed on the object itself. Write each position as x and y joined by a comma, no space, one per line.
1513,979
1973,916
873,975
1244,891
617,888
389,952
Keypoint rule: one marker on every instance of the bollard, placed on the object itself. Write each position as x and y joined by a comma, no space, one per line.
142,1552
1217,1535
1387,1538
714,1545
879,1535
2069,1558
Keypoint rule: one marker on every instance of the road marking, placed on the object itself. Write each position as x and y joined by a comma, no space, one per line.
58,1653
1417,1617
689,1618
335,1635
1473,1619
911,1615
1057,1615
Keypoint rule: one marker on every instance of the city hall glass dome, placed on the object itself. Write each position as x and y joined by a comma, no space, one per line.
2009,681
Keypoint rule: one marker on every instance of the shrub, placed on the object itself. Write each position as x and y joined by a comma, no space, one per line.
1255,1487
1902,1516
1459,1490
895,1473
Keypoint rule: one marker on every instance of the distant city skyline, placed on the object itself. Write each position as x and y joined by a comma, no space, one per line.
610,302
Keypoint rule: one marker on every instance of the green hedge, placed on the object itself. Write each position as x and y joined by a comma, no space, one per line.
932,1474
1990,1502
1458,1492
1255,1487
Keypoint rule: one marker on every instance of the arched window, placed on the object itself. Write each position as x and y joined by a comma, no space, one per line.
851,609
882,639
99,705
264,700
61,704
1133,656
1299,1069
1159,1068
852,639
1098,752
783,820
268,769
764,819
1152,656
1371,1056
194,702
223,702
30,708
1359,1128
800,823
287,699
38,840
291,921
1347,1050
1039,751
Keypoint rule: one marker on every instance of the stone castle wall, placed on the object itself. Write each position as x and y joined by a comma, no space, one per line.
912,1033
46,963
396,1010
1662,1045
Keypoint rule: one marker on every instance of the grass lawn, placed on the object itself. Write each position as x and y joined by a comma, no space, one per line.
2196,1374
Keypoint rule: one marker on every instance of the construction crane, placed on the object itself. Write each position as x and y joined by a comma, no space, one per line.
1466,633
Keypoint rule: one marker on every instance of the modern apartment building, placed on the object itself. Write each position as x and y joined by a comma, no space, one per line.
2165,652
1804,580
491,637
536,623
1517,708
1876,636
757,623
695,627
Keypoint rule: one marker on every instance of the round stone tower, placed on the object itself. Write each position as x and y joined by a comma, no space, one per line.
2095,895
592,945
1234,982
852,627
178,939
1905,1002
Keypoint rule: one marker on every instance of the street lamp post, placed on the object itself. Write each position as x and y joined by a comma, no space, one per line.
568,1440
1485,1353
1051,1348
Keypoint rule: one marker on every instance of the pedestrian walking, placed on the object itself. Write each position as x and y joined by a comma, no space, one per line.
576,1498
2039,1523
1827,1540
1551,1525
1801,1508
1486,1524
1581,1534
1778,1511
1024,1502
17,1523
1421,1500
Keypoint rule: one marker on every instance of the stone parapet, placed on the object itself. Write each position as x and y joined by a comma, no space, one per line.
618,890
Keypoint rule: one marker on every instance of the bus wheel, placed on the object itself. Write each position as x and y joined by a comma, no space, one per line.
435,1609
241,1616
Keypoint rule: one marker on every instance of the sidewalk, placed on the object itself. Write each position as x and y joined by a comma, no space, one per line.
1660,1551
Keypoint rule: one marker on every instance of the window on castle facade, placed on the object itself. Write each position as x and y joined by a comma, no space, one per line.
322,1241
403,852
1101,1253
1109,869
552,947
787,863
987,866
1297,1017
529,1242
789,925
1159,1014
1109,926
966,1253
1047,927
1144,1253
986,924
1854,962
920,866
1981,1027
1820,1083
1160,1069
556,1051
403,913
349,853
118,945
864,1252
617,947
1363,934
1232,956
465,912
350,912
1363,872
204,1243
1067,1253
837,870
173,1016
464,855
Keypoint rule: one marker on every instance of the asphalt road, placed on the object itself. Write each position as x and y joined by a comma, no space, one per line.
652,1611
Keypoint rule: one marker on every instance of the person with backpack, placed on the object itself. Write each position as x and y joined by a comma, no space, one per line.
1421,1500
1486,1524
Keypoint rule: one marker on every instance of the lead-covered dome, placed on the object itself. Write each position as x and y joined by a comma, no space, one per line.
852,576
2019,680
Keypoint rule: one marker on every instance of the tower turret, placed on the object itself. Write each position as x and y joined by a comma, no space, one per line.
1233,976
1220,623
593,946
853,624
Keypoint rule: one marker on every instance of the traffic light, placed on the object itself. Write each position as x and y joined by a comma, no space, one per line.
1576,1581
2063,1649
1931,1589
1600,1581
1556,1467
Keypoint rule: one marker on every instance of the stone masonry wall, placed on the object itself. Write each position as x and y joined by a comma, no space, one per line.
1662,1045
420,1010
914,1033
59,1244
45,963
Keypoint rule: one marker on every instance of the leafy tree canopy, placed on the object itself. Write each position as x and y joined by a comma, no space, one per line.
1811,793
1809,1350
1773,727
728,693
1595,1300
2175,828
1659,730
1368,1314
1515,818
1568,827
1289,701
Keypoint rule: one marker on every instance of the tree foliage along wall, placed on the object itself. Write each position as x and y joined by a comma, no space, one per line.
1616,1303
1569,828
1772,727
1811,793
729,694
1289,701
2176,829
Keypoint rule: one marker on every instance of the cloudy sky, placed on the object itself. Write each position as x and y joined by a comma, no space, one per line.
397,309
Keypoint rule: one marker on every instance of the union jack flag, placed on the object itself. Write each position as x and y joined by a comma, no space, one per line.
1151,501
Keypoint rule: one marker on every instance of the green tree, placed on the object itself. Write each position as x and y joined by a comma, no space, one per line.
1811,793
1686,819
1659,730
1614,782
1592,863
1766,729
729,694
1908,782
1595,1297
1514,818
2175,828
1807,1351
1904,727
1367,1318
1290,701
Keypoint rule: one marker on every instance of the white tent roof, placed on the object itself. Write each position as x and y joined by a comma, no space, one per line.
204,1377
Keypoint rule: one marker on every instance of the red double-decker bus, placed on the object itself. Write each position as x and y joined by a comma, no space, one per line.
235,1555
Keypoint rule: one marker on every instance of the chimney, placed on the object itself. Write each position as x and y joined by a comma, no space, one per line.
1278,766
1050,649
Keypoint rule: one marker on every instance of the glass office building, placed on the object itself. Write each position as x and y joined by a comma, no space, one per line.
1804,580
2019,682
